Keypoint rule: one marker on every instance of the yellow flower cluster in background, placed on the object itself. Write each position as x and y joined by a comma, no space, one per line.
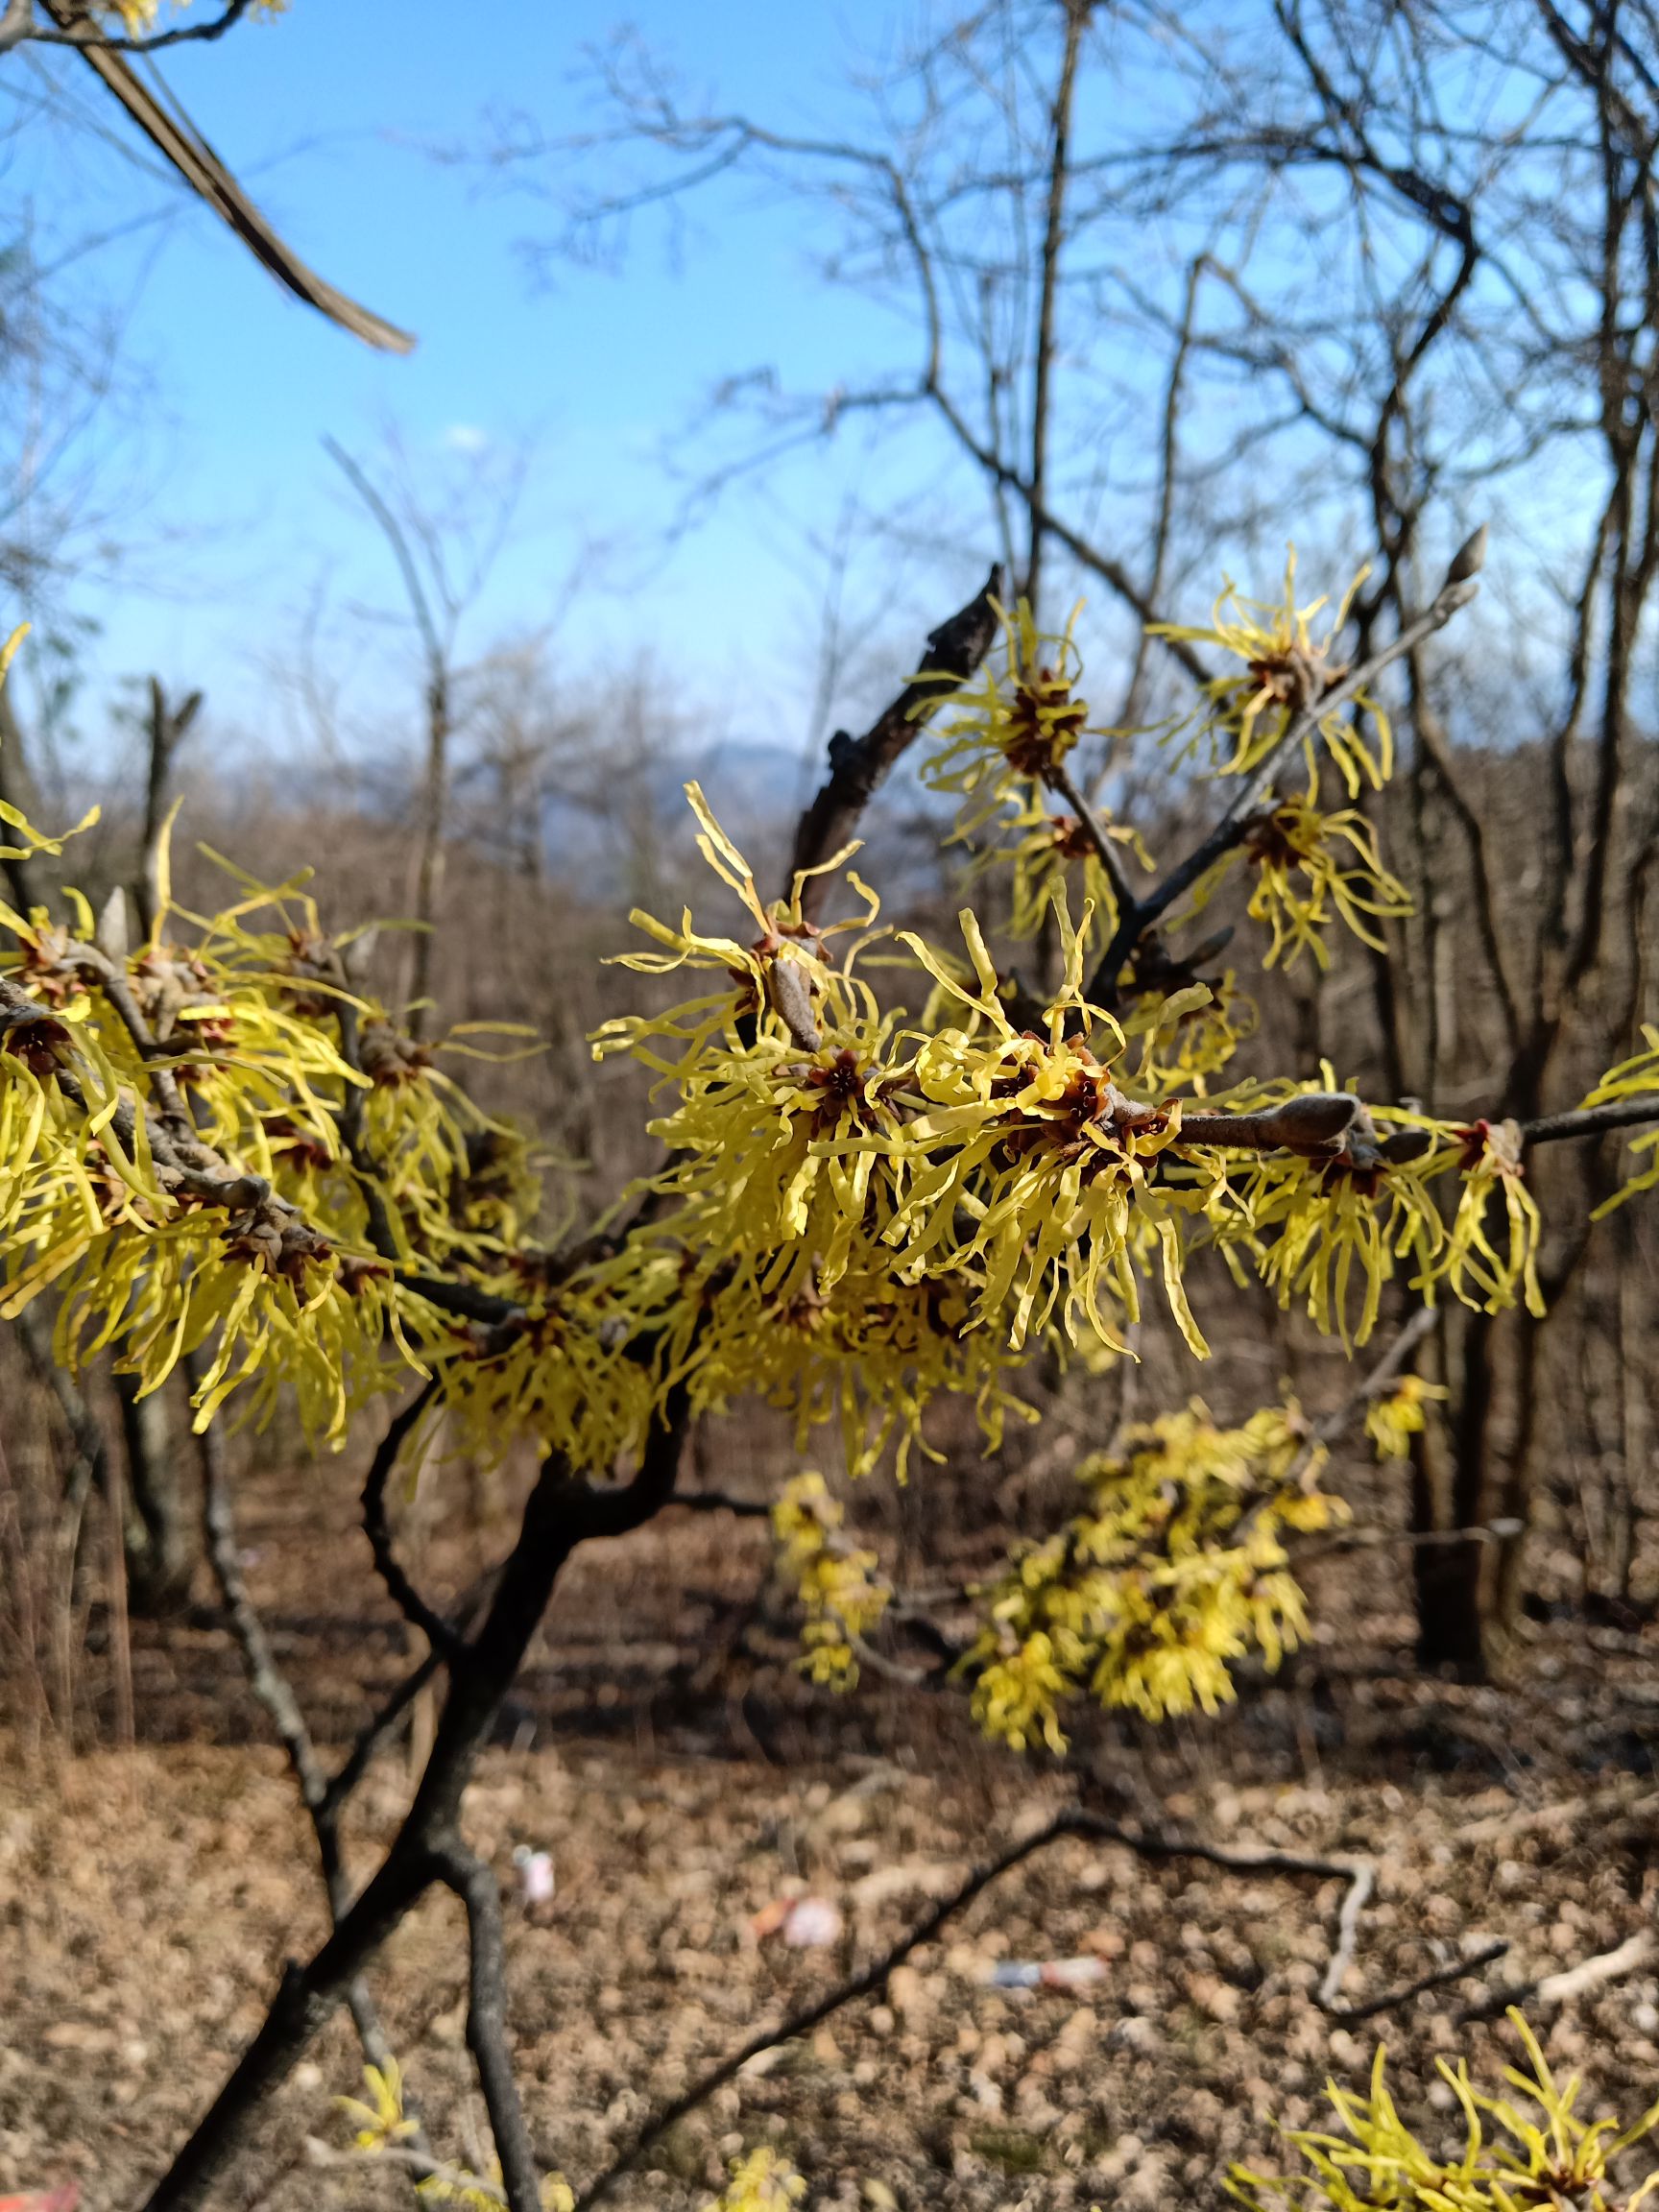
1510,2161
1394,1416
840,1592
1177,1571
762,2181
380,2125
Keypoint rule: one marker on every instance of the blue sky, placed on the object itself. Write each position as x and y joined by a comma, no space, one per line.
332,114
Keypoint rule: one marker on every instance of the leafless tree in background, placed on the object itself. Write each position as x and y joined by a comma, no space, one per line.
445,541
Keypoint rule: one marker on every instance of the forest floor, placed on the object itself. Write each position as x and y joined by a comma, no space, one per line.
685,1780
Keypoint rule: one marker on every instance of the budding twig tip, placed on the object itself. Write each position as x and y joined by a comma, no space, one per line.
1469,559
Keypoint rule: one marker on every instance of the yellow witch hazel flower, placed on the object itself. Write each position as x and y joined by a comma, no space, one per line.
1394,1416
1303,881
1494,1171
1508,2160
1185,1048
840,1591
378,2119
1286,670
766,1073
762,2181
1039,1185
1042,850
382,2124
1632,1078
1016,724
1150,1599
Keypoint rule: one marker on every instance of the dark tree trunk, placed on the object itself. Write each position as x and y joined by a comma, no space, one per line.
1448,1484
164,1537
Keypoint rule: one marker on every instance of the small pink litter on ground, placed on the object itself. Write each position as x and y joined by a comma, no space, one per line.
535,1878
811,1923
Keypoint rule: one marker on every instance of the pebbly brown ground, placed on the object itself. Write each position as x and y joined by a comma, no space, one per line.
682,1779
150,1897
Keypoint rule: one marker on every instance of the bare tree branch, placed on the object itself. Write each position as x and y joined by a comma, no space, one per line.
561,1514
1436,1979
177,140
474,1882
20,27
859,766
1231,829
1590,1121
438,1632
1053,239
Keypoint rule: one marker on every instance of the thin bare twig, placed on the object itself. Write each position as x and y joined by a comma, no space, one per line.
432,1624
120,1627
20,27
1354,1902
1406,1539
1054,238
1377,1376
1572,1982
1436,1979
1094,830
474,1882
452,2181
723,1502
274,1691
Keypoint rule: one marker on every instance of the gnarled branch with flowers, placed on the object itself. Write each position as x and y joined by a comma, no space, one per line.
888,1174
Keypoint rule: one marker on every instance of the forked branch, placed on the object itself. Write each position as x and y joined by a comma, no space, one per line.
1137,915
